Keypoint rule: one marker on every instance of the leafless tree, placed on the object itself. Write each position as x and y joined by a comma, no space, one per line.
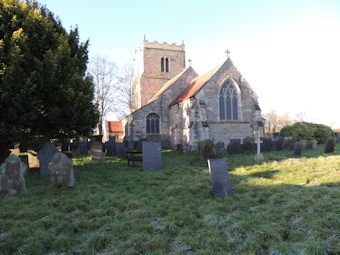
125,88
105,77
274,121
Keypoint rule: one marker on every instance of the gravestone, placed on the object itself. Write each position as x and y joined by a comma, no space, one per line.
33,161
61,171
152,156
315,144
45,155
330,144
130,145
297,148
97,151
287,143
247,145
218,169
111,146
309,145
12,179
337,135
234,146
83,148
267,144
279,143
121,150
220,150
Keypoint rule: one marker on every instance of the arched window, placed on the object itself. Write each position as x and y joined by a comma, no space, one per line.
152,123
162,64
228,102
166,65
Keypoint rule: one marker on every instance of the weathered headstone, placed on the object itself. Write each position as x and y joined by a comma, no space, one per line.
279,143
121,150
267,144
97,151
152,156
61,171
45,155
83,148
297,148
218,169
309,145
12,179
247,145
330,144
287,143
258,155
220,150
234,146
33,161
111,146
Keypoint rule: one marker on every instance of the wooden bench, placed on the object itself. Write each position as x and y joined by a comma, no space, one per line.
134,156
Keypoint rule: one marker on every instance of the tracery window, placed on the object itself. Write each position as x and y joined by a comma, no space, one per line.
228,102
152,123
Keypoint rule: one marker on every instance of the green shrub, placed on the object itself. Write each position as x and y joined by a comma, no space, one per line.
307,131
207,149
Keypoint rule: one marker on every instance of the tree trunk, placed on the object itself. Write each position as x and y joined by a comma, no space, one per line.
4,151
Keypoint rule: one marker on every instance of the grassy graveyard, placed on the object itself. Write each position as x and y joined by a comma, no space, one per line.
284,205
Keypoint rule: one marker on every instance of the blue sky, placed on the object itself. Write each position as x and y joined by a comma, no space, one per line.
288,51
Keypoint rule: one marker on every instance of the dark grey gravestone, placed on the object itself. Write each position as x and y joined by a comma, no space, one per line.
111,148
121,150
45,155
330,144
97,151
89,145
279,143
218,169
152,156
220,150
309,145
234,146
82,147
297,148
267,144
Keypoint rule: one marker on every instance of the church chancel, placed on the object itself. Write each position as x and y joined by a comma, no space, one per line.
177,107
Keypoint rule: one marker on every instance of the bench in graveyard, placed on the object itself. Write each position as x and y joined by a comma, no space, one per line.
134,156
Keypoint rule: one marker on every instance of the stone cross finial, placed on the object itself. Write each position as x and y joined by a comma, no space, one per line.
189,61
228,52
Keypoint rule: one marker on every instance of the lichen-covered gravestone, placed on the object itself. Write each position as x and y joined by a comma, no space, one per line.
297,148
97,151
61,170
12,179
45,154
152,156
330,144
218,169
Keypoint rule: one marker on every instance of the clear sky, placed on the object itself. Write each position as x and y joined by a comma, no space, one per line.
289,51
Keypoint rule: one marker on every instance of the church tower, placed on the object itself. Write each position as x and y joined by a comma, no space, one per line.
154,64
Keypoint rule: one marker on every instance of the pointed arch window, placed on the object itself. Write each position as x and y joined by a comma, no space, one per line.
228,102
152,123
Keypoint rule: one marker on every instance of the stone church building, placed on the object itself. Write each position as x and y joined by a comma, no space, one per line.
179,108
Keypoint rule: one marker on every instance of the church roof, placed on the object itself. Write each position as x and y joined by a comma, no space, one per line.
167,85
116,126
195,85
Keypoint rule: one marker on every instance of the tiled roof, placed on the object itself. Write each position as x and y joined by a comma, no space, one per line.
195,85
116,126
167,85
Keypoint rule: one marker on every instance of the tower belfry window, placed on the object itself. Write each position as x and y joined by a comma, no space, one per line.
166,65
162,64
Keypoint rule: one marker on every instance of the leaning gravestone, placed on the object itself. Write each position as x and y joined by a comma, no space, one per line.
97,151
218,169
297,148
111,146
12,179
234,146
61,170
121,150
220,150
45,155
330,144
82,147
152,156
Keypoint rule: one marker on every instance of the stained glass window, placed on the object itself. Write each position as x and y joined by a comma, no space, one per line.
228,102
